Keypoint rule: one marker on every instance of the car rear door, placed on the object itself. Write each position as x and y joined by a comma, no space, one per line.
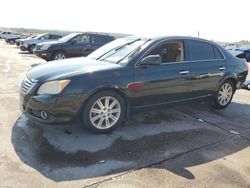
207,67
164,83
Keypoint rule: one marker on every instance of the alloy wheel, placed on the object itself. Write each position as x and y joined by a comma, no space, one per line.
105,112
59,56
225,94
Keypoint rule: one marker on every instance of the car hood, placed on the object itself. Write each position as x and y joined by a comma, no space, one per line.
63,69
50,43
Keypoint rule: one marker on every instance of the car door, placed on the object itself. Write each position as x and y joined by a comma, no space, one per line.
207,66
99,40
164,83
79,45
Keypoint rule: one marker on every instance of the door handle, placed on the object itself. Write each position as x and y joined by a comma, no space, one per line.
222,68
184,72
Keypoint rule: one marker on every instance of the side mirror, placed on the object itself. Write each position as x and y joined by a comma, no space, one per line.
151,60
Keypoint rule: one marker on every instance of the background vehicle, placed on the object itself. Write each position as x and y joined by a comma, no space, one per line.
12,40
20,41
72,45
245,54
31,43
8,34
131,74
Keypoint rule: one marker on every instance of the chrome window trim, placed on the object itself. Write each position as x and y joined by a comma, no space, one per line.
165,40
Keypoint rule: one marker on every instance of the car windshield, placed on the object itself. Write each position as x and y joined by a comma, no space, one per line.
68,37
120,50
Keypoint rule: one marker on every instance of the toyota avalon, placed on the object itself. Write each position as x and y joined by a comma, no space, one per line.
128,75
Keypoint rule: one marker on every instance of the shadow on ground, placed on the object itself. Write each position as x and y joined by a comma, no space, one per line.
68,152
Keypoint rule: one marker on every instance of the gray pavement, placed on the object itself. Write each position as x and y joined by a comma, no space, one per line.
192,145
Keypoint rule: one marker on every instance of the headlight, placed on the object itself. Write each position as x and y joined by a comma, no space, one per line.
53,87
45,47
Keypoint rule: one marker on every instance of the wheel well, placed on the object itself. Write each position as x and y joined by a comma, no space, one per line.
127,104
56,51
233,81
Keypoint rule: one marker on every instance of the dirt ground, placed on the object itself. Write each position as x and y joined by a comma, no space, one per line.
185,146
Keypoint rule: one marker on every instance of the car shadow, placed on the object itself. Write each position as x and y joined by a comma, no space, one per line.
24,52
64,152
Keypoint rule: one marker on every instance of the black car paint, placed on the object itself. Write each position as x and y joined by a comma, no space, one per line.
140,86
71,49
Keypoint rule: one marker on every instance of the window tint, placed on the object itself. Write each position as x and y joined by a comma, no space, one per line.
169,52
100,39
82,39
217,53
44,37
201,50
54,36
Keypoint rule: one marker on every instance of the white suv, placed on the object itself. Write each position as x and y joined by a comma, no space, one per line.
8,34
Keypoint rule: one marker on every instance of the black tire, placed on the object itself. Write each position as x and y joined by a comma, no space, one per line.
59,53
92,102
31,48
216,101
11,41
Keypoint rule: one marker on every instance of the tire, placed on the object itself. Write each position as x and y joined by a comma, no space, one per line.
31,48
58,56
98,117
224,95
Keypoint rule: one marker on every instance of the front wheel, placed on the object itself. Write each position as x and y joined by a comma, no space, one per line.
58,56
31,49
103,112
224,95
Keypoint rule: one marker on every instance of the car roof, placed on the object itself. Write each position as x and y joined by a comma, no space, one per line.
160,38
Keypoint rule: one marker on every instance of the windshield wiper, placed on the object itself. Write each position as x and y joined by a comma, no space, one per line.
132,52
117,49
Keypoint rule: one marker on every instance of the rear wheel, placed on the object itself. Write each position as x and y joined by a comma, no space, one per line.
58,56
224,95
103,112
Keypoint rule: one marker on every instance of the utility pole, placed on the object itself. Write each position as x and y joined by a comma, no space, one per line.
198,34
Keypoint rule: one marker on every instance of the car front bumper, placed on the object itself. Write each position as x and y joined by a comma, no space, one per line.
44,54
58,108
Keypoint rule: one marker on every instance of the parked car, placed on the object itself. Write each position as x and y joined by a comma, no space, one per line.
128,75
29,45
21,41
245,54
72,45
12,40
8,34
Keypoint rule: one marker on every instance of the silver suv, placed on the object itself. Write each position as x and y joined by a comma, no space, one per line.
29,45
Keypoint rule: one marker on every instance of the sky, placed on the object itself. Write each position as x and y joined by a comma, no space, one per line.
219,20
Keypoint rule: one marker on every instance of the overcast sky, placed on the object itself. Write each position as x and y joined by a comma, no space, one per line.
221,20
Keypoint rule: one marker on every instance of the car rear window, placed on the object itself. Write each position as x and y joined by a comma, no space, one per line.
203,51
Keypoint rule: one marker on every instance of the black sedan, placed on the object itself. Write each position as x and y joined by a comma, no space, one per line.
128,75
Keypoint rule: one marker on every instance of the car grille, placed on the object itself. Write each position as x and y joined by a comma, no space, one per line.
27,85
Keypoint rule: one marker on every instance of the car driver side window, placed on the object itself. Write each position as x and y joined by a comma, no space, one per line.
169,52
82,39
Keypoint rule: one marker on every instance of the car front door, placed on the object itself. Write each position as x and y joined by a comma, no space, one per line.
207,67
79,45
164,83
